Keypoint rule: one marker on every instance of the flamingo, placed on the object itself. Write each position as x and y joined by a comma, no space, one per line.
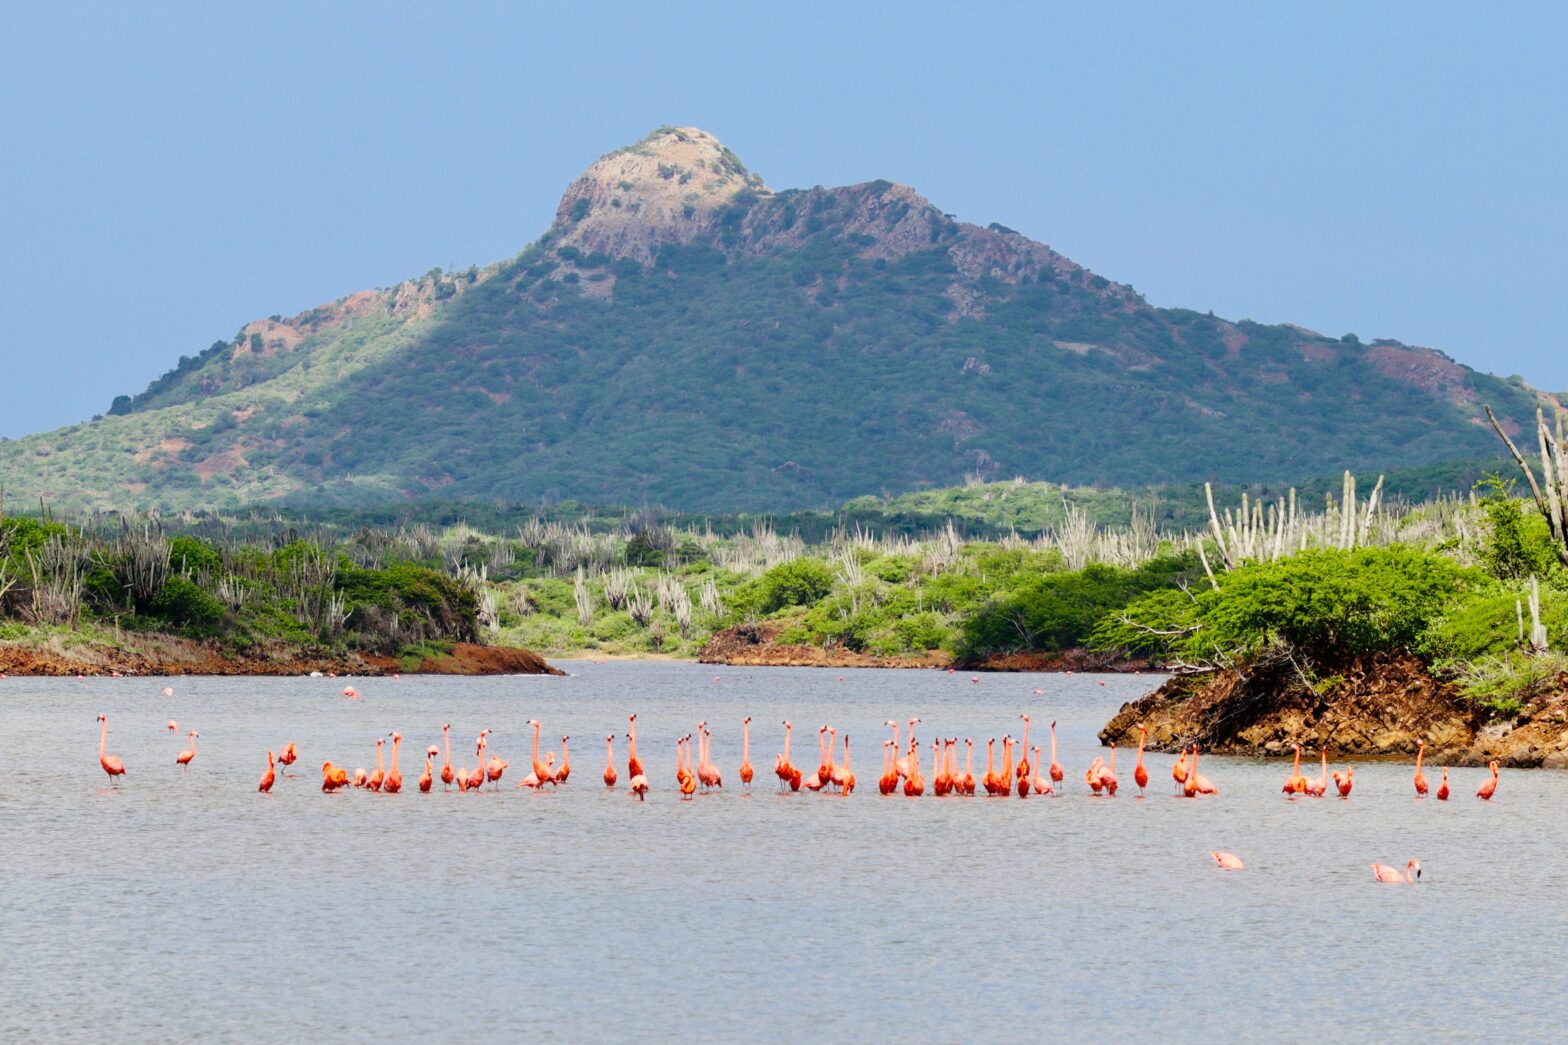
393,782
1108,775
989,780
476,780
1140,775
1004,780
427,777
633,763
1179,772
183,759
745,753
836,772
174,727
1056,767
969,766
1420,778
1295,784
846,781
888,781
1442,788
914,783
1391,876
1227,861
333,777
1091,776
376,778
824,758
289,753
1319,787
788,775
566,763
710,775
1201,784
1037,781
542,770
1488,788
688,779
899,764
269,776
609,760
1023,763
361,777
446,766
639,786
1345,781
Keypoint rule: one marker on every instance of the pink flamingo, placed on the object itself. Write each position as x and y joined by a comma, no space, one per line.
1056,767
1488,788
184,758
269,776
1391,876
1227,861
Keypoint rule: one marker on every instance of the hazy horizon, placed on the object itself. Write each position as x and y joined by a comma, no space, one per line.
178,171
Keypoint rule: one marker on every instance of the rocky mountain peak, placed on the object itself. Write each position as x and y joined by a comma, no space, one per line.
667,188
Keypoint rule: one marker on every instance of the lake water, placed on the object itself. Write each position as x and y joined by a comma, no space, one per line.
185,905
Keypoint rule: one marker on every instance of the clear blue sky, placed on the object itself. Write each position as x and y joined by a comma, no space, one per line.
171,171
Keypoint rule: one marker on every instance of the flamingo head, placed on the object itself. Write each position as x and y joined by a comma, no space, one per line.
445,726
748,720
102,718
380,741
535,722
1414,867
396,737
432,751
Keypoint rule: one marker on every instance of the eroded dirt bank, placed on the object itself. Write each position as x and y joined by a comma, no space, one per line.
759,647
141,654
1365,707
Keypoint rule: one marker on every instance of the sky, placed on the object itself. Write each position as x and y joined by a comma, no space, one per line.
172,171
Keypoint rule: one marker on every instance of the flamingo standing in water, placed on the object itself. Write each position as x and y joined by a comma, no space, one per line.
1227,861
1140,775
633,763
361,778
541,770
638,785
269,776
1442,788
174,727
968,779
745,753
1023,762
1319,787
110,763
1345,781
446,766
1295,784
428,777
184,758
846,782
1108,775
914,783
1091,776
688,779
374,783
393,782
1488,787
1420,777
333,777
609,760
476,780
888,781
566,763
788,774
1037,781
287,756
1179,772
1391,876
1202,784
1057,773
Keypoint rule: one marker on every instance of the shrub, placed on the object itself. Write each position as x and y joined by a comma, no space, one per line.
185,605
799,582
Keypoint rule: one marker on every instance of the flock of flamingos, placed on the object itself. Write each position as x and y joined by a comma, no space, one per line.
901,770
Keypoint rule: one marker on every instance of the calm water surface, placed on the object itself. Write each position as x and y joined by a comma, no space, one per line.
178,906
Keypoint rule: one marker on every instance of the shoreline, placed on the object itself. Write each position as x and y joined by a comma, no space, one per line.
150,654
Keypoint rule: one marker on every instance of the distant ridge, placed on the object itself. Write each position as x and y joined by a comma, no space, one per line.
683,334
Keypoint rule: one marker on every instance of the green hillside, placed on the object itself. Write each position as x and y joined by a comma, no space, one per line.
684,336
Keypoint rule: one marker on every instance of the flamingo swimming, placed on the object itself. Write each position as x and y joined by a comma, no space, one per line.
609,760
1488,787
1391,875
184,758
269,776
174,727
1227,861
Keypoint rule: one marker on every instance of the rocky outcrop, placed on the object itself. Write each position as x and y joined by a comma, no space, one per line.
1364,707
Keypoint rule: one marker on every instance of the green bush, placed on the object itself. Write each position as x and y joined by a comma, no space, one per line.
1323,602
184,604
799,582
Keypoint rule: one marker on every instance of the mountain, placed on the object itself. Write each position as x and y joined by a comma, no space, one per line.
682,334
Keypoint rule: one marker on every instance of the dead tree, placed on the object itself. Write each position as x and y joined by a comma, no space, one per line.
1554,467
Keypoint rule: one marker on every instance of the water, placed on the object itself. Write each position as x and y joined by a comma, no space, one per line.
178,906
